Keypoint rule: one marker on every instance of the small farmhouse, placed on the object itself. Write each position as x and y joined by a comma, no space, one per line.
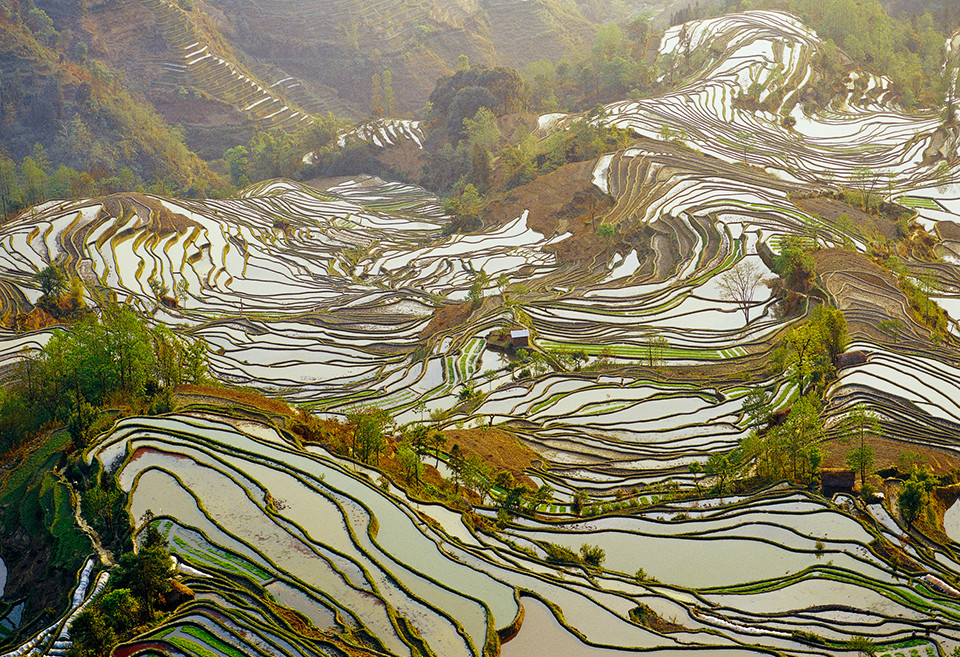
508,340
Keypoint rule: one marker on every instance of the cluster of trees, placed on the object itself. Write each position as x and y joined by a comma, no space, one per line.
615,68
106,358
463,119
789,447
910,52
60,107
797,274
135,596
278,153
591,556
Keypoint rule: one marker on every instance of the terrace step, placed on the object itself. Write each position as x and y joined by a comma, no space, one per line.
219,78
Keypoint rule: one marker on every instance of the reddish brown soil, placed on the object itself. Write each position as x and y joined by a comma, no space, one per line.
831,210
501,450
857,283
887,455
446,318
405,158
949,231
227,396
559,202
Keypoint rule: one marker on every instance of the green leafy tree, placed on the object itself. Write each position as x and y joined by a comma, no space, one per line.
389,97
238,163
376,96
806,358
592,555
482,130
123,609
369,426
52,281
721,467
832,326
912,499
478,285
478,476
91,633
147,572
859,424
410,463
795,265
457,464
696,469
757,407
801,433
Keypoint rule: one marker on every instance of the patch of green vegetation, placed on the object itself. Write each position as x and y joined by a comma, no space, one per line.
210,640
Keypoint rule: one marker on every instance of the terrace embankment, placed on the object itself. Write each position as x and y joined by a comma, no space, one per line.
866,294
229,397
833,211
564,201
500,449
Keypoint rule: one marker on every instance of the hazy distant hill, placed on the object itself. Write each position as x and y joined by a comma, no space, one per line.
335,47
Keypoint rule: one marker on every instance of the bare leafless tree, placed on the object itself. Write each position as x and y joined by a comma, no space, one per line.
740,285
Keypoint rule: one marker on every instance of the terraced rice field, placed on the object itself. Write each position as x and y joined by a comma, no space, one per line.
328,299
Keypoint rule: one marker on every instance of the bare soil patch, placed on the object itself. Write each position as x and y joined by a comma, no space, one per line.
228,397
831,210
564,201
500,449
887,455
446,318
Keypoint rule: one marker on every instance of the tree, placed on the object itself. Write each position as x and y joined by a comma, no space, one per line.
912,499
514,497
832,326
860,459
859,423
482,130
389,98
238,163
438,440
805,356
376,96
457,464
123,609
580,498
592,555
891,327
657,346
696,469
410,463
795,265
757,407
147,572
52,281
369,425
740,285
477,476
865,180
480,281
720,466
543,495
91,634
801,432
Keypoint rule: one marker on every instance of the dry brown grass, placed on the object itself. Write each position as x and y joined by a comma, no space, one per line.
500,449
226,396
887,455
